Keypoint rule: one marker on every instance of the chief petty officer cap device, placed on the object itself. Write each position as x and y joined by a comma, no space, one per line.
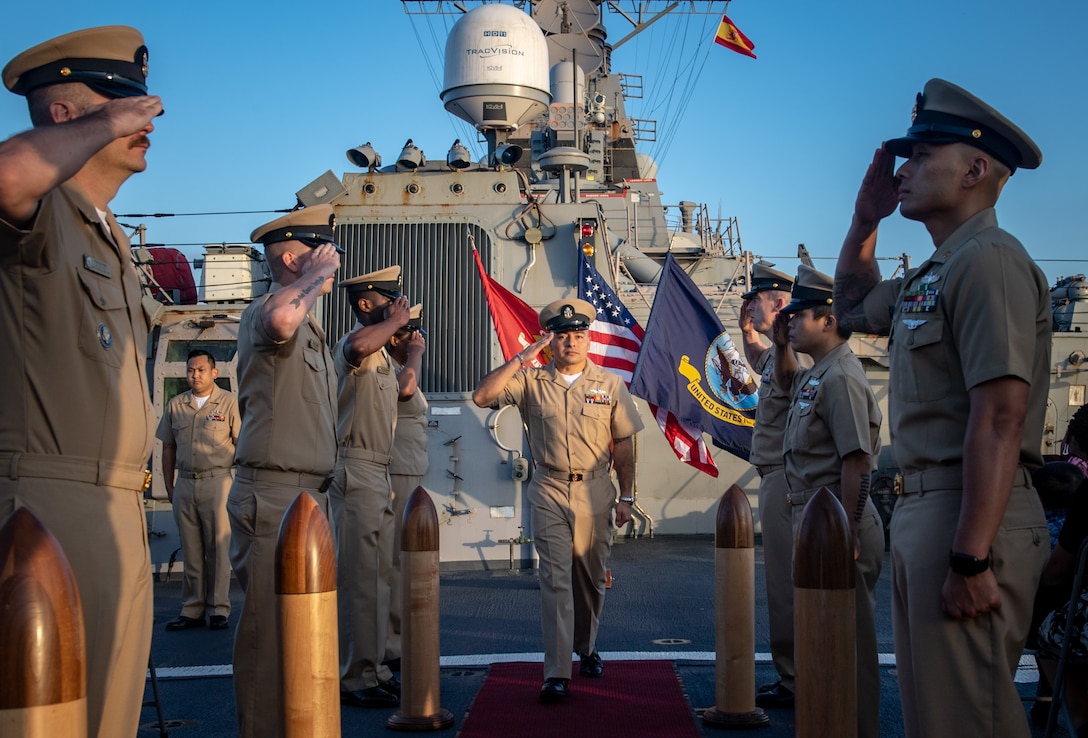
384,281
945,113
111,60
764,278
310,226
564,316
812,289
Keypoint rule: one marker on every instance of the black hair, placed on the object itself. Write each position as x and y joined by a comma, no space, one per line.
822,311
1078,427
200,352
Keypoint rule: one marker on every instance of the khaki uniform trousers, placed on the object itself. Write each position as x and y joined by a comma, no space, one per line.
103,531
572,532
956,677
200,510
866,573
776,524
256,509
403,487
362,507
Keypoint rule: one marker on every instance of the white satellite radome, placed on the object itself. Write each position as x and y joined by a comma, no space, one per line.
496,74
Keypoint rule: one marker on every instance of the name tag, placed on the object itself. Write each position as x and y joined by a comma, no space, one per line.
97,266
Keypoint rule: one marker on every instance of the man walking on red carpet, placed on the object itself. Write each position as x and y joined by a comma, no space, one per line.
580,419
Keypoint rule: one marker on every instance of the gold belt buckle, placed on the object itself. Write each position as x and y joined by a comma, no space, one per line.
575,477
147,480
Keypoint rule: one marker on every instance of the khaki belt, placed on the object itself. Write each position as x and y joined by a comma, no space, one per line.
363,455
208,474
765,470
294,479
75,469
574,476
802,497
948,478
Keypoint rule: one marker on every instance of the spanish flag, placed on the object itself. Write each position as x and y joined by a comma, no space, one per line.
731,37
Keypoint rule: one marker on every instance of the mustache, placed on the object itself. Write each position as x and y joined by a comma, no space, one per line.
140,141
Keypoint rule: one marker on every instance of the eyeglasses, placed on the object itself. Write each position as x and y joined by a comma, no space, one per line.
313,243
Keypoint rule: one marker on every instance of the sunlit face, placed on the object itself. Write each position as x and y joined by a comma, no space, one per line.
128,154
201,375
762,308
805,330
570,349
929,182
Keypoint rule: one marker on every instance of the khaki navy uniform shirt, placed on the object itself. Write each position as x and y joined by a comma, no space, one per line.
287,396
832,415
205,437
74,337
367,402
978,309
572,428
410,437
770,413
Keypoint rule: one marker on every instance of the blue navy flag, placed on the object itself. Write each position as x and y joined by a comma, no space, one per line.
614,340
690,366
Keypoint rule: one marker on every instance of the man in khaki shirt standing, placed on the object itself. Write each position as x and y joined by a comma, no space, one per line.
287,396
580,420
199,431
969,352
76,424
410,462
361,494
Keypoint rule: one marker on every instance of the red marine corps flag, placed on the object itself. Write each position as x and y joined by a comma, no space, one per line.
731,37
614,342
516,323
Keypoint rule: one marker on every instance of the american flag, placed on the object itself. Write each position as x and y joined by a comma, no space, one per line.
615,338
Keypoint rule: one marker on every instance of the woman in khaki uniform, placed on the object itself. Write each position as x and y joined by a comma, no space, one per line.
580,418
832,440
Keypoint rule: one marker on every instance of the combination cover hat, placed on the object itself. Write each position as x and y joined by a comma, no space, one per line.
385,281
811,289
946,113
111,60
310,225
764,278
566,315
415,316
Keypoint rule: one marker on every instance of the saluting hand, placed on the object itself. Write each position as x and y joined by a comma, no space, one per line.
416,343
780,332
878,195
530,352
323,260
744,322
127,115
398,311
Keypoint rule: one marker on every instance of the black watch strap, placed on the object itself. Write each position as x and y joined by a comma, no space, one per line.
966,565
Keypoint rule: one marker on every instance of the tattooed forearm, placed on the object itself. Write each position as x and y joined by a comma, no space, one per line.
863,495
297,300
849,291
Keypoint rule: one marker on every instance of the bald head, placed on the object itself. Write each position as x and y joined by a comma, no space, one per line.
275,254
41,100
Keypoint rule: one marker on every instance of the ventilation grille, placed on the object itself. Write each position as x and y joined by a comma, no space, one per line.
438,270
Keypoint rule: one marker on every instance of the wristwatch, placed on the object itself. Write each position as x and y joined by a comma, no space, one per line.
628,500
966,565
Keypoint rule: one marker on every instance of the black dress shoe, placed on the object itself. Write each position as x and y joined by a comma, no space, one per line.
779,696
392,685
768,686
184,623
592,666
554,689
372,697
218,622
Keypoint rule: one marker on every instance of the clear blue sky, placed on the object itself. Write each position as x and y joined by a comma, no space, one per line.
261,98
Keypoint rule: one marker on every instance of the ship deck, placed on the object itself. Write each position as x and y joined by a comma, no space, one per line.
661,606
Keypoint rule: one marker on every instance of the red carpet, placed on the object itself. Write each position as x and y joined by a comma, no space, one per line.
634,699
